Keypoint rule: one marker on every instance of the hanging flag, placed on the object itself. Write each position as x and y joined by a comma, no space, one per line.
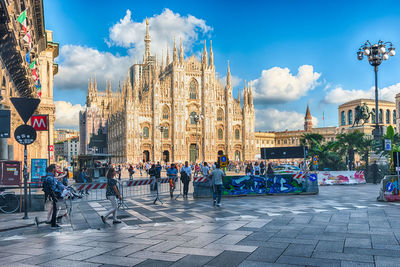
27,38
38,85
32,65
22,19
27,57
34,74
40,94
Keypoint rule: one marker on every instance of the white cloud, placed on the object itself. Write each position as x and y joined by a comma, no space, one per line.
235,80
67,115
340,95
279,85
79,63
162,29
271,119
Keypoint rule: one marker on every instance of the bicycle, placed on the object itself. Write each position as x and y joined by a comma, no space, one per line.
9,202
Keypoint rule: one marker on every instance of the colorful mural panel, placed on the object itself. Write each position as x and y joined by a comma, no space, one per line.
341,177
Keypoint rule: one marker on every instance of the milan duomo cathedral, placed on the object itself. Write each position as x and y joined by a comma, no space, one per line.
174,110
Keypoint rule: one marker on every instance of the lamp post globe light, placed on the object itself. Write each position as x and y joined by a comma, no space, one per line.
162,129
196,119
376,53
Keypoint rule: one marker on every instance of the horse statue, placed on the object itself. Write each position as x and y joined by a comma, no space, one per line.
362,113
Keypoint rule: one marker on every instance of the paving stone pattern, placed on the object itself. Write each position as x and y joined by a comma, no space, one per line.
342,226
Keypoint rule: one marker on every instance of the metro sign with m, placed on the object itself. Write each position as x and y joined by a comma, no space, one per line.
39,122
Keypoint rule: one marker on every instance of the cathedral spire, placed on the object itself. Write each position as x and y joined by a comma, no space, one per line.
167,60
175,54
308,120
245,95
162,60
250,95
180,52
95,82
228,77
205,54
238,96
147,41
211,61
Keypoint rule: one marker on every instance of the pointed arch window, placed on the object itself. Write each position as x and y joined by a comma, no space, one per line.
146,132
166,133
220,115
237,134
394,116
220,134
165,113
193,89
192,116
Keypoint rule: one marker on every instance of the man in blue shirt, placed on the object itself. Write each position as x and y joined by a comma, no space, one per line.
55,189
172,173
186,172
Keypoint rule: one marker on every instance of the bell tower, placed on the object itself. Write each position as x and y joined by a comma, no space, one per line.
308,120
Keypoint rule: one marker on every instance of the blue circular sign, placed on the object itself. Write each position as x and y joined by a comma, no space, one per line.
223,159
389,187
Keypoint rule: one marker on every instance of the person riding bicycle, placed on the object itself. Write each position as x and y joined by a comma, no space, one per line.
172,173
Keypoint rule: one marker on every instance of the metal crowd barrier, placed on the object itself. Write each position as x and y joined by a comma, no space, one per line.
128,188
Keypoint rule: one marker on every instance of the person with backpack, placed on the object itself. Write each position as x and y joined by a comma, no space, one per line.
112,193
217,176
186,172
54,191
153,176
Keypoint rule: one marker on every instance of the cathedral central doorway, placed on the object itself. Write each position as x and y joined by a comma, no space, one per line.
146,156
166,156
237,155
192,153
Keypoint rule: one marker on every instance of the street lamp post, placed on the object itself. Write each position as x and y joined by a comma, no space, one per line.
196,119
162,129
375,54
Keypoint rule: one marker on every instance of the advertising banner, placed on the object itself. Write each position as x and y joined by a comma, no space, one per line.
38,169
341,177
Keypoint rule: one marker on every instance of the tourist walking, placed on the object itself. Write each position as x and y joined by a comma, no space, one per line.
54,191
186,172
119,171
131,172
172,173
153,175
112,193
256,169
205,170
217,176
262,168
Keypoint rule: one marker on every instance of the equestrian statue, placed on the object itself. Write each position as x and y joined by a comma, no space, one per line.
362,113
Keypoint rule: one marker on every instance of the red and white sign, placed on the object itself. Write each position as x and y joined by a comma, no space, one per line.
51,148
39,122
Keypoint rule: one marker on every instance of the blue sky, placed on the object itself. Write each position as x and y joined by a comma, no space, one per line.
266,42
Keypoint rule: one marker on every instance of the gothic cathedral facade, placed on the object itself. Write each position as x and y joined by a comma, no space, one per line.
175,111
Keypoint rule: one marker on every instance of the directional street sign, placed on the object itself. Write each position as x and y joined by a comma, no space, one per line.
223,160
315,160
388,145
25,106
25,134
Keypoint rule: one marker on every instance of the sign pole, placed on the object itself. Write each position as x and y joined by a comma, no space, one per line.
25,183
48,138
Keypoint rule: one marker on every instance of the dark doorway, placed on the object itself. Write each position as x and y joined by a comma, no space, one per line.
166,156
146,156
220,152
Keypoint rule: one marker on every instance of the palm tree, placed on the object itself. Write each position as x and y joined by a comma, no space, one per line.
350,143
307,140
327,155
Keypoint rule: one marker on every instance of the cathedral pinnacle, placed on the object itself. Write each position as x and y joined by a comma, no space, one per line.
181,52
228,77
211,61
167,60
175,54
147,41
205,62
